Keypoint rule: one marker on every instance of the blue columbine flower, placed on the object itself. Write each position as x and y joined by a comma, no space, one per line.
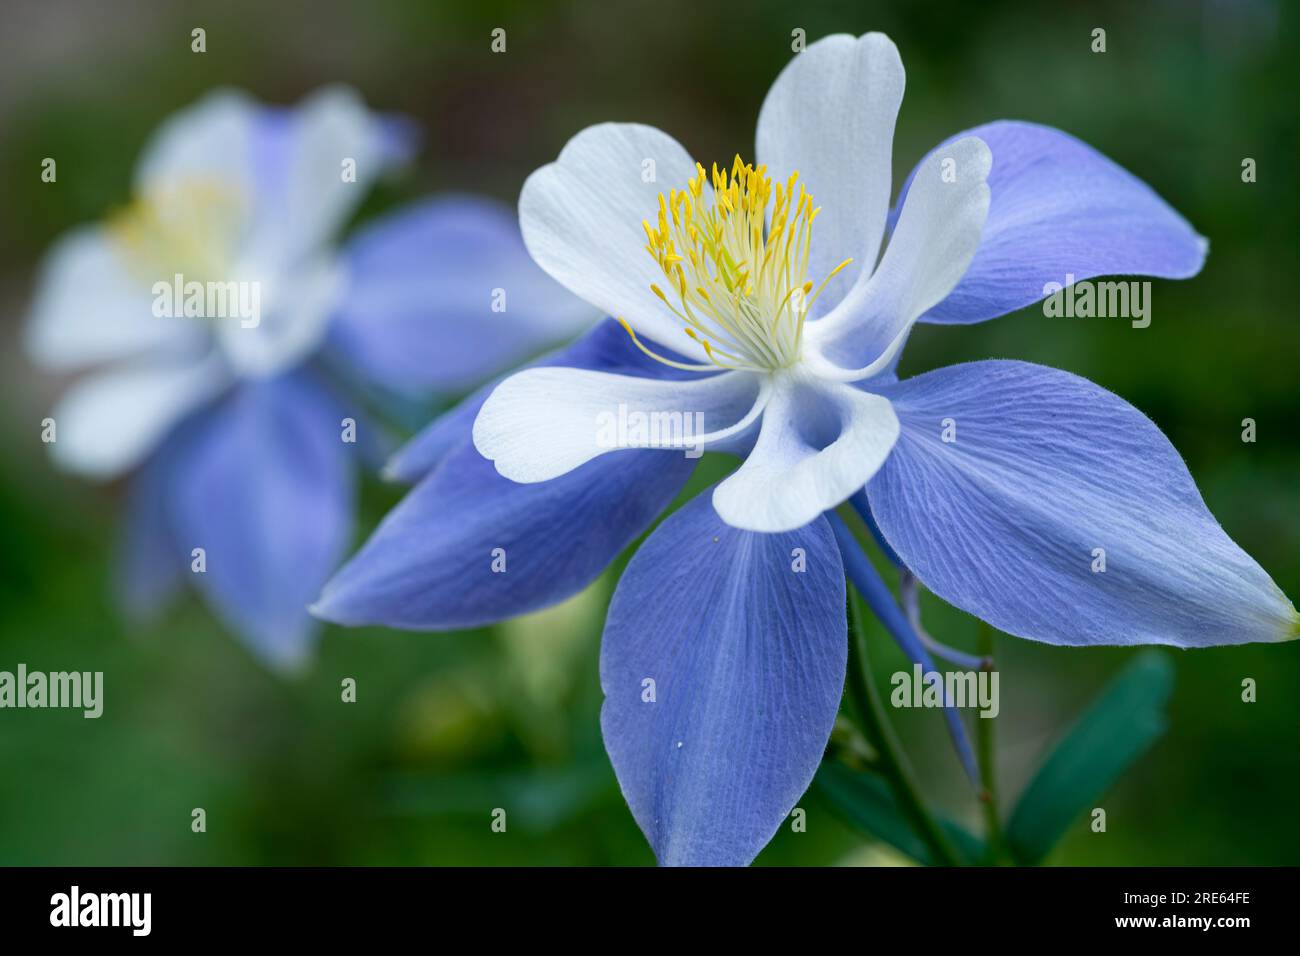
238,337
723,656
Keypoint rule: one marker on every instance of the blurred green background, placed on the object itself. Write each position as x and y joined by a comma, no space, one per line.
448,726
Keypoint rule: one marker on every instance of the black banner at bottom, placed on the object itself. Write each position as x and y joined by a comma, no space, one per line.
339,905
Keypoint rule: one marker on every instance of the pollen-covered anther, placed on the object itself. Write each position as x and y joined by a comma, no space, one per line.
737,275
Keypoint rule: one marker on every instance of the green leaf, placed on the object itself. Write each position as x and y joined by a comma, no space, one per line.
1119,726
865,802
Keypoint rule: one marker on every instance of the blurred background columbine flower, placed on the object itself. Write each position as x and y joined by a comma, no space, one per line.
744,660
240,412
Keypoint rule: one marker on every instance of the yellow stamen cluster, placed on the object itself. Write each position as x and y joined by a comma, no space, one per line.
738,284
189,228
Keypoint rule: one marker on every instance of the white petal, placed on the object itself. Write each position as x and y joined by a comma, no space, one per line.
544,422
284,165
818,445
830,115
936,237
210,141
581,218
293,313
330,126
89,308
109,421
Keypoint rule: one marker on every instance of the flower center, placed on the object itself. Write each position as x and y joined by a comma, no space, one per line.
738,285
190,228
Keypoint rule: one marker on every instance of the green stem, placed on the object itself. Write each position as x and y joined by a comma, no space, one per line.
985,750
893,764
